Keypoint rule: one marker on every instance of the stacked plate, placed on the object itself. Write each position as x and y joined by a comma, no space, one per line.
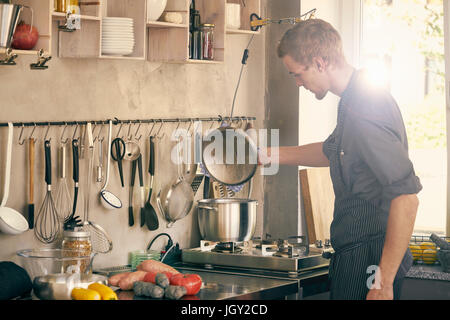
117,36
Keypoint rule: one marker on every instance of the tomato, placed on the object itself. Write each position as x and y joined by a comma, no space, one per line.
192,282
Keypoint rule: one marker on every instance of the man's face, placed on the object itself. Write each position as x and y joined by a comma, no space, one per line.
313,78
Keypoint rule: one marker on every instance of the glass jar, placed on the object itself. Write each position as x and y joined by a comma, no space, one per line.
207,31
67,5
76,244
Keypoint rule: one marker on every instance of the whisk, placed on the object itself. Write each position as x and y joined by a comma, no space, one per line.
63,200
47,224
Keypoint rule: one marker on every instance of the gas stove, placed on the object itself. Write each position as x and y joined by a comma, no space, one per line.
286,256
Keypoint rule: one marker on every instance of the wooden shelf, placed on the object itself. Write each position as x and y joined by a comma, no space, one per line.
112,57
240,31
162,24
155,41
23,52
62,16
42,21
195,61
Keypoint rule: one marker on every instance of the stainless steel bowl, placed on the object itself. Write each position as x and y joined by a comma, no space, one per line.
225,220
59,286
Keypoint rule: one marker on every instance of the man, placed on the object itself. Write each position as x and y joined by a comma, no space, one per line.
373,178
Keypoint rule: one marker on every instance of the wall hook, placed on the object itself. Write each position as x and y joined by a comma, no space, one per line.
9,59
42,60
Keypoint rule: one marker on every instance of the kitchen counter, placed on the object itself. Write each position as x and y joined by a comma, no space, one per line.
428,272
219,285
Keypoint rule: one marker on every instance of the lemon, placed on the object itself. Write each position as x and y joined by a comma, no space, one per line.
427,245
416,252
105,292
429,256
85,294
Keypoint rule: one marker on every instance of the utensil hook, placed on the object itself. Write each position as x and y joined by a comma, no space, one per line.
62,135
21,142
157,134
151,130
189,128
98,135
32,132
137,131
120,128
75,131
46,134
129,137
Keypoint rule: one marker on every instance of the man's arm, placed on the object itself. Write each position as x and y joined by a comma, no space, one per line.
400,225
310,155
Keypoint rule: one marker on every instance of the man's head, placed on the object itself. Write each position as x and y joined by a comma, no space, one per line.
309,50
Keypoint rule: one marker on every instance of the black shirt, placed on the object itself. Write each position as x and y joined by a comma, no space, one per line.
375,161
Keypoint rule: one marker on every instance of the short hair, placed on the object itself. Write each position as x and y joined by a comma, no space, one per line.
312,38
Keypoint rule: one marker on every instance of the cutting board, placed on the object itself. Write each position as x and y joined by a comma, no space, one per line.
318,198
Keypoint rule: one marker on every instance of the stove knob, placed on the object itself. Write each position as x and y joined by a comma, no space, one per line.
318,243
327,254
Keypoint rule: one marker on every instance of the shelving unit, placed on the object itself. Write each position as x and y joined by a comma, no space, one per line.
155,41
137,10
82,43
247,8
169,42
41,20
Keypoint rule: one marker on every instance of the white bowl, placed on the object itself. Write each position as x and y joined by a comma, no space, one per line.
155,8
117,37
118,28
117,45
117,19
114,24
12,222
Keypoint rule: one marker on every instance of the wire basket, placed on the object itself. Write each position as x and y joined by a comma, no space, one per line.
424,251
136,257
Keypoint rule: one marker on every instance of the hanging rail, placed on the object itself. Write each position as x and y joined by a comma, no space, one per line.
119,121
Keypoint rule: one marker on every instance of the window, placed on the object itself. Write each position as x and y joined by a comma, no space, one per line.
402,46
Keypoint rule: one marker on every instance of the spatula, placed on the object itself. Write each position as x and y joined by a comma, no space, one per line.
151,219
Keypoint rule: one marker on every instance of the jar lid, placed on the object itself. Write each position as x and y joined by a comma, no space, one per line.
71,233
207,25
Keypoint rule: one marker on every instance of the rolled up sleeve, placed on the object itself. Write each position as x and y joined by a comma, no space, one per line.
384,152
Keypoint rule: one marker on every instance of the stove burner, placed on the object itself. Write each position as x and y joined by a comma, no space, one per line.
226,247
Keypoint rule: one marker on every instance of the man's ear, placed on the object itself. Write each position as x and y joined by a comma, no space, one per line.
320,64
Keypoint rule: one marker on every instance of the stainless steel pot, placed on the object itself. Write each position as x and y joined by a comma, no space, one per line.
225,220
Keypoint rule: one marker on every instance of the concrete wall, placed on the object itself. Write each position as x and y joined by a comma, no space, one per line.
91,89
281,217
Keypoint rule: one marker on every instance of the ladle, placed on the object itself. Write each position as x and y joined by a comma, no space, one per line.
11,221
132,150
107,198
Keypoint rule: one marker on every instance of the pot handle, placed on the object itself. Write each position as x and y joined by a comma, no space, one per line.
207,208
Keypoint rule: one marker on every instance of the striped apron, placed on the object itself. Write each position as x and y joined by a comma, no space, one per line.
357,232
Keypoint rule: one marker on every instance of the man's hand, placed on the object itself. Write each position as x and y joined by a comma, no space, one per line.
385,293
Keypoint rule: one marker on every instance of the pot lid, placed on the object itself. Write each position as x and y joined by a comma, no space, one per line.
229,155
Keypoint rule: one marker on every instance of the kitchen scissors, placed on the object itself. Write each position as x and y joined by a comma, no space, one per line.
118,153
